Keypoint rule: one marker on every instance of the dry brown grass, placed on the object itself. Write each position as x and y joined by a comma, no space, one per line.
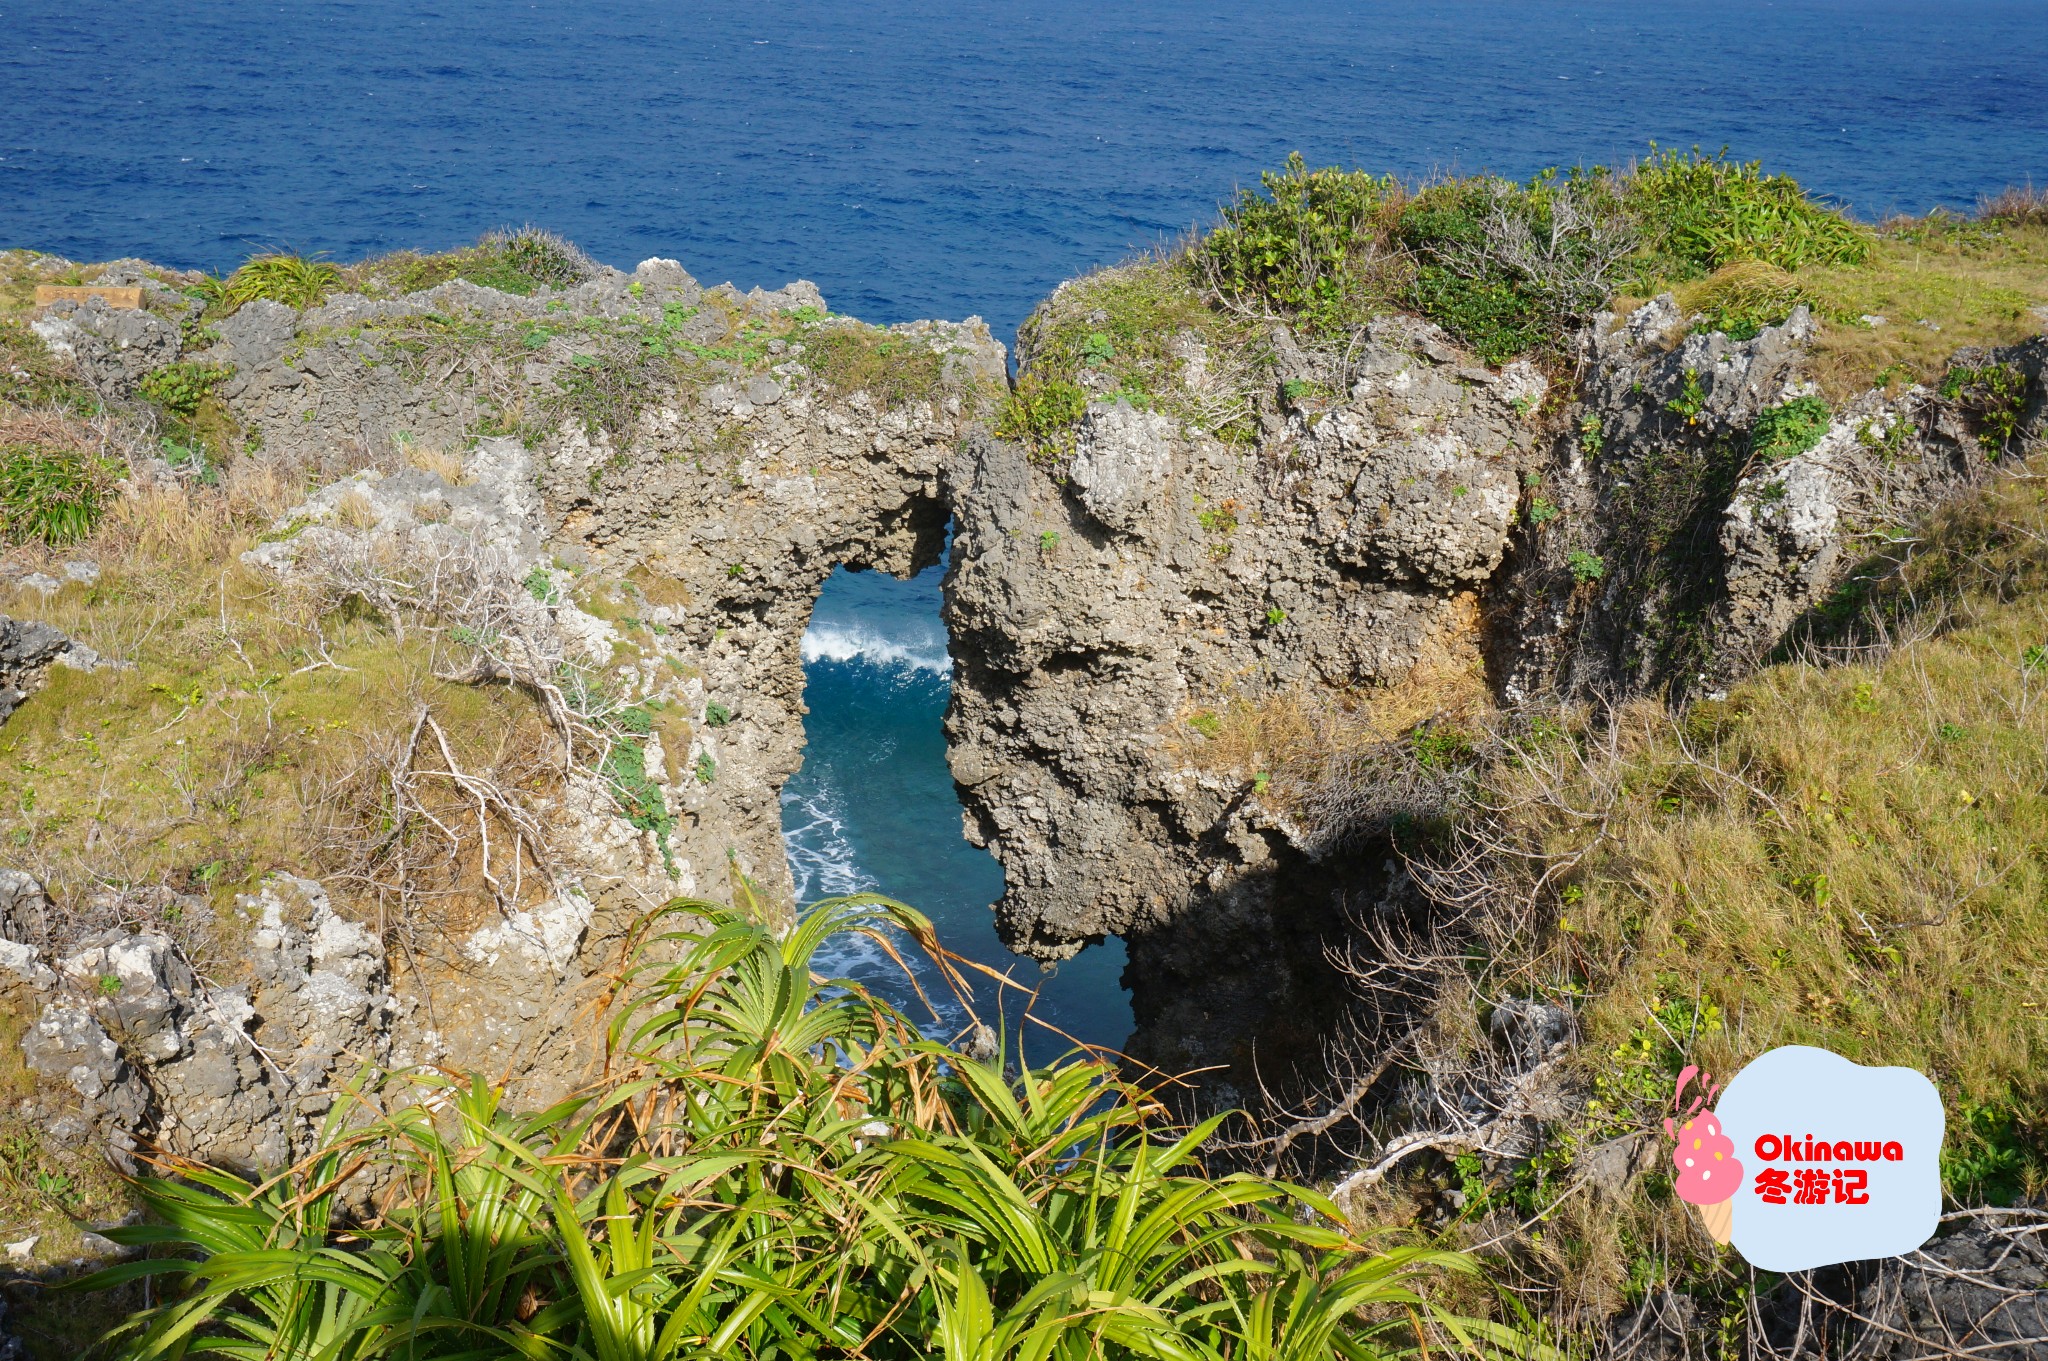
1846,852
253,729
1290,737
446,464
2019,205
52,429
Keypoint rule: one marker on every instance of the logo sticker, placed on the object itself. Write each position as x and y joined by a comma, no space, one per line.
1808,1160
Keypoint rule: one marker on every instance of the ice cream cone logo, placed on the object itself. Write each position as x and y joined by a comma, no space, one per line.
1708,1172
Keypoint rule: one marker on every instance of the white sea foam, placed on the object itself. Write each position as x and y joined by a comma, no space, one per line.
821,860
856,643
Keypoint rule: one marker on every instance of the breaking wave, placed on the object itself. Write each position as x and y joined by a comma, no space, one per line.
856,643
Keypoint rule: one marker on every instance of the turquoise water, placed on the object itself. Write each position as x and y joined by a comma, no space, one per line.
873,809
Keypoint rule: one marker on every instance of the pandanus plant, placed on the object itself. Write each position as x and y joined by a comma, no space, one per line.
773,1165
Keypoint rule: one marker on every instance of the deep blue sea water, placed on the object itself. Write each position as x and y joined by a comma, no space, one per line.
918,158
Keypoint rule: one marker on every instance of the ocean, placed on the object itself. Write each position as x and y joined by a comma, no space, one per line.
873,810
916,159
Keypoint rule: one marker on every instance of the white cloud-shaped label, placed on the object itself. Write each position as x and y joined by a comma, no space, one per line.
1841,1162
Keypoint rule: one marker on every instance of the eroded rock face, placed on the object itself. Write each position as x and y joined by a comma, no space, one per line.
1169,574
1628,542
238,1075
673,549
1696,556
114,346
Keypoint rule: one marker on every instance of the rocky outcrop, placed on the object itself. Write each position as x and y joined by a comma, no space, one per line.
1977,1291
115,347
236,1074
26,651
1675,555
684,469
1434,528
1103,614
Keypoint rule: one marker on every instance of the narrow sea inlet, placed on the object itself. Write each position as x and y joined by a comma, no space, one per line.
874,810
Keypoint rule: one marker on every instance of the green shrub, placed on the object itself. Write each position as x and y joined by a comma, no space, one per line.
523,260
52,496
1042,411
1698,213
1305,246
540,584
515,262
1512,269
294,280
607,393
1585,567
181,388
1994,396
776,1166
1789,429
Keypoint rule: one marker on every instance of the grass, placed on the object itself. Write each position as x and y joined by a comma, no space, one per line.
895,370
1698,213
229,748
52,496
33,379
1977,283
294,280
1140,332
512,261
776,1165
1938,284
1843,855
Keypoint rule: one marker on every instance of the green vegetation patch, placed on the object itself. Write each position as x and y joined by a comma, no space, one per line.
1307,246
32,377
1698,213
1143,333
895,370
639,798
180,388
294,280
1789,429
51,495
518,262
786,1166
1994,396
1511,269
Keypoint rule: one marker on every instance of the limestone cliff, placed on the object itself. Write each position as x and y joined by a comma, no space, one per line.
621,496
1164,639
